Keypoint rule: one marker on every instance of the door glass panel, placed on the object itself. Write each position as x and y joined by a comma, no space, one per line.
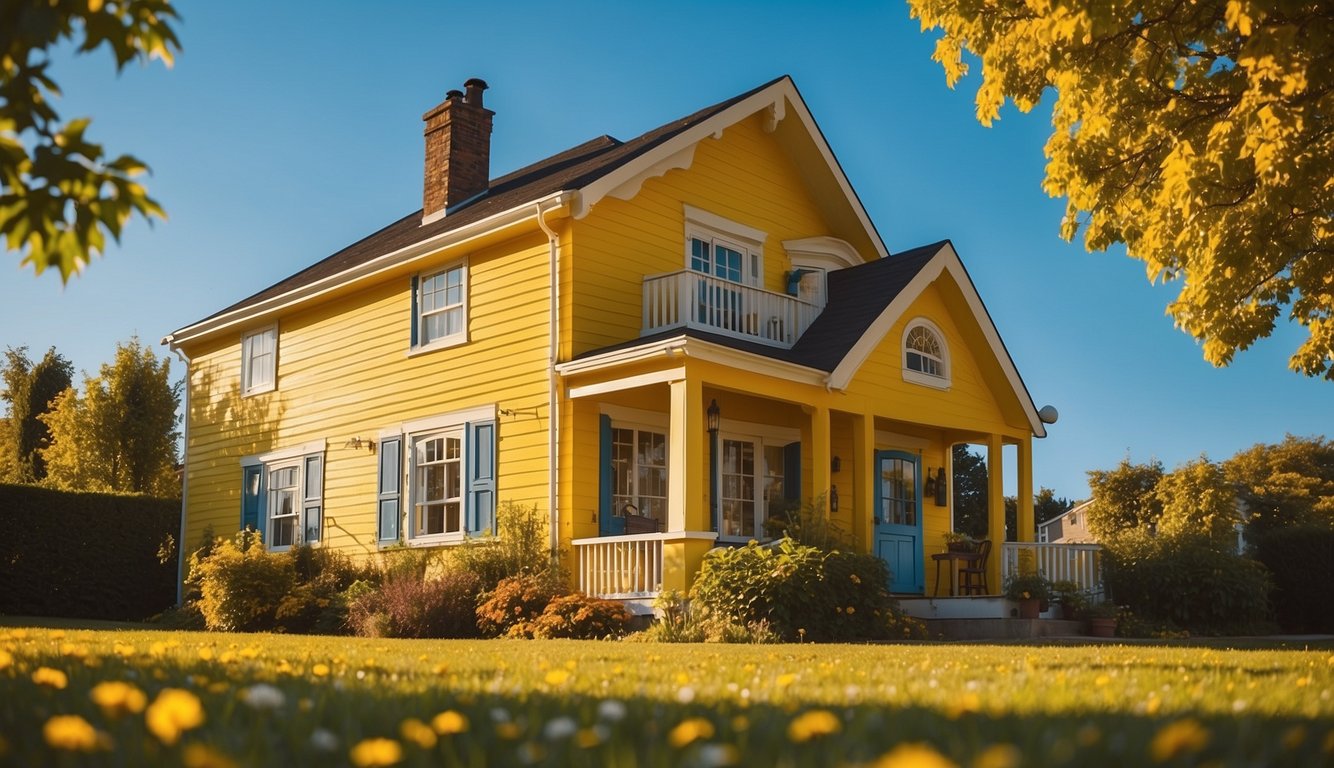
737,472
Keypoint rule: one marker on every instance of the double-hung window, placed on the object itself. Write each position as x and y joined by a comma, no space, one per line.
440,307
259,361
437,479
282,496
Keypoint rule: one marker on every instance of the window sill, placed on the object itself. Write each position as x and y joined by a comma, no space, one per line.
438,344
438,540
260,390
926,379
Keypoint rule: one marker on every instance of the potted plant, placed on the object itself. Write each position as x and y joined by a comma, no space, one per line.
1102,619
1070,597
1029,590
958,541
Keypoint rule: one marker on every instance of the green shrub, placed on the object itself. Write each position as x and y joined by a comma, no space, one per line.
522,548
242,586
1187,582
1301,560
681,621
86,555
515,603
443,606
582,617
799,591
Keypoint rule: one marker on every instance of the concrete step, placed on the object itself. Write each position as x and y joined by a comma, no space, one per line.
1001,629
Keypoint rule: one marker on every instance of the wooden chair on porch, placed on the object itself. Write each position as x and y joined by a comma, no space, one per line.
973,579
642,524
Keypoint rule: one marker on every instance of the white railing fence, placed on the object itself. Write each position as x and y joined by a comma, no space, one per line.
620,567
695,300
1080,563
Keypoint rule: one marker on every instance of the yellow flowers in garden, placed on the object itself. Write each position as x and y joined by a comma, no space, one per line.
117,699
70,733
173,712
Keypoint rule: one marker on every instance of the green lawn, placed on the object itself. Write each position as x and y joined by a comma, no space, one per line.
292,700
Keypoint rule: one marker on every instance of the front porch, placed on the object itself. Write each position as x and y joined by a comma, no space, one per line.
631,569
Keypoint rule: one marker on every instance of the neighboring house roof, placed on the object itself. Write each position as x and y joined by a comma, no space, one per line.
1081,528
597,168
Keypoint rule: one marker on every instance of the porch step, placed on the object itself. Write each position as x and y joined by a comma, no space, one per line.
1001,629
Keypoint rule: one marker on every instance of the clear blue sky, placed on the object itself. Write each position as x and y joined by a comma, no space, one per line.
288,130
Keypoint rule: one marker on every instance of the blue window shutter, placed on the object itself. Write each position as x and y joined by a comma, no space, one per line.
413,319
251,496
792,471
606,477
480,457
391,478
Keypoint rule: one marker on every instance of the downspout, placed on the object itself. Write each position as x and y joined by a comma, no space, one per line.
553,402
185,473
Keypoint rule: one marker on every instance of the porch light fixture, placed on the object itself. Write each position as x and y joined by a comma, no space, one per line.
942,488
715,416
835,465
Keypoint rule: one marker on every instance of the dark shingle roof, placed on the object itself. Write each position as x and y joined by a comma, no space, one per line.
571,169
857,296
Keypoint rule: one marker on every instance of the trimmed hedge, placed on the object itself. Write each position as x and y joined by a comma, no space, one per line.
86,555
1301,559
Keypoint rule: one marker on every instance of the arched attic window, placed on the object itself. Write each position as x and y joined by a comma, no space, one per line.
926,358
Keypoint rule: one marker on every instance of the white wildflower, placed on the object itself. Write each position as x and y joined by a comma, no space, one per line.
263,696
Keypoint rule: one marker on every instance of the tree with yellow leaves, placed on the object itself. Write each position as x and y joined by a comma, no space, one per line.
1196,132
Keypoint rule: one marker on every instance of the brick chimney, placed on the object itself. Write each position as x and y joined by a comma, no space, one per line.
458,150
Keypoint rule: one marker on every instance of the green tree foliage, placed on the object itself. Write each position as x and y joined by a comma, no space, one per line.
1046,505
1197,499
61,194
120,434
29,389
1198,134
1290,483
1124,498
969,485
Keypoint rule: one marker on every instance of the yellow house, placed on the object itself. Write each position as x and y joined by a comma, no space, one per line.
660,343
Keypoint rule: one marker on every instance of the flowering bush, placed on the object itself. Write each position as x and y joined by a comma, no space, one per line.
241,586
582,617
444,606
514,603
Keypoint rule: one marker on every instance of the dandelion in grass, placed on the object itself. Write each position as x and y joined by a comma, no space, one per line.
999,756
559,728
263,696
203,756
449,722
117,699
320,670
557,677
419,733
49,677
611,710
6,659
914,755
173,712
812,725
70,733
323,740
1180,737
375,753
689,731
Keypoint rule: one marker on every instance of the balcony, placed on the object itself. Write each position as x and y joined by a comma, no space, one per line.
689,299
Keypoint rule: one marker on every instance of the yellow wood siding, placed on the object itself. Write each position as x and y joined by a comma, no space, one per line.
745,176
344,371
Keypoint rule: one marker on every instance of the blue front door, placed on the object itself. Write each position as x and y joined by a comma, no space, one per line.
898,519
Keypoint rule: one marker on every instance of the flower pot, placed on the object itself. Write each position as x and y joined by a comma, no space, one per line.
1102,627
1029,609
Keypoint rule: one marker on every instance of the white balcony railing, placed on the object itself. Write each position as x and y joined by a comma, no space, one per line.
689,299
621,567
1080,563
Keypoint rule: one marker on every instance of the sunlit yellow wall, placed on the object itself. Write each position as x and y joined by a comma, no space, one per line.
744,176
344,371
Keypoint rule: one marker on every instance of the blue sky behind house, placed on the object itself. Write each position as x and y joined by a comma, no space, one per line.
289,130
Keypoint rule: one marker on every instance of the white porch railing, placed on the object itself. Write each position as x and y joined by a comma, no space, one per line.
1080,563
689,299
621,567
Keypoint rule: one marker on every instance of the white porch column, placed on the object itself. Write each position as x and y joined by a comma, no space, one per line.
820,480
687,493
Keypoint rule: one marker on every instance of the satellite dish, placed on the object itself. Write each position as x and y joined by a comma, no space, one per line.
1048,414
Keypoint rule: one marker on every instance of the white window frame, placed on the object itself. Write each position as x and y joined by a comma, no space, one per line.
424,428
761,437
307,500
250,386
416,486
715,231
636,494
420,314
942,381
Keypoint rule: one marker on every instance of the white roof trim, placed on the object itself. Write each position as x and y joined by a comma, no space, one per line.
513,216
770,98
823,247
700,350
945,260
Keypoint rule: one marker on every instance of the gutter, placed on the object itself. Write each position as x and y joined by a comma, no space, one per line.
185,472
553,386
406,255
